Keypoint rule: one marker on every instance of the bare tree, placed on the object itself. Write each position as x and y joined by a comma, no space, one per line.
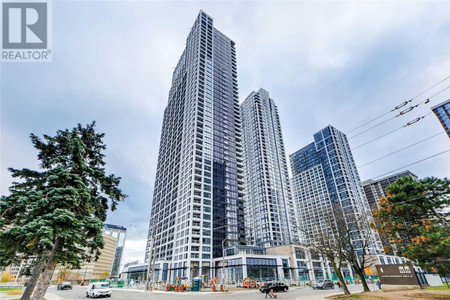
358,241
326,238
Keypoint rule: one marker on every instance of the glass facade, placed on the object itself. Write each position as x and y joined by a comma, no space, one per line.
197,200
325,177
269,209
235,271
442,112
262,269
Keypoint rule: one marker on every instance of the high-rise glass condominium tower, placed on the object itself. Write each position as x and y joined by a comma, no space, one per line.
269,212
325,179
442,112
197,203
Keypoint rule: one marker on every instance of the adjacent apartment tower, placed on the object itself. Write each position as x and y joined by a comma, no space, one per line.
325,178
269,212
375,189
442,112
198,195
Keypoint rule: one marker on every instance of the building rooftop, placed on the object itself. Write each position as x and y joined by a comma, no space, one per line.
440,104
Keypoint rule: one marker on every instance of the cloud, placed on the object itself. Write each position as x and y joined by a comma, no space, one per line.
134,250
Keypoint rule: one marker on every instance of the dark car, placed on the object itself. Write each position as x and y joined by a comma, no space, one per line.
64,286
274,287
323,284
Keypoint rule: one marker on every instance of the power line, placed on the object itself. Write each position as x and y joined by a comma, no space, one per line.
416,162
368,122
402,113
371,127
399,106
435,94
392,153
431,87
392,131
377,138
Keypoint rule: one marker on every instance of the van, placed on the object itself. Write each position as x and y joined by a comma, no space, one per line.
98,289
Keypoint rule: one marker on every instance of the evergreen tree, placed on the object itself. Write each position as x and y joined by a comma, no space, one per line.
413,216
56,214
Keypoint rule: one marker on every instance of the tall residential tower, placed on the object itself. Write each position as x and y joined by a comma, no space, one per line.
198,197
269,212
442,112
325,182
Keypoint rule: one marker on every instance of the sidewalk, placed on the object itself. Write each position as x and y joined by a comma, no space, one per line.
354,289
49,296
419,294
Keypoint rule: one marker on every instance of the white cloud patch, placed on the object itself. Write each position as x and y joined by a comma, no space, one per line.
134,250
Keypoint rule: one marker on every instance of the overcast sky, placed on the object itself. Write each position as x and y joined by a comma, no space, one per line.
322,62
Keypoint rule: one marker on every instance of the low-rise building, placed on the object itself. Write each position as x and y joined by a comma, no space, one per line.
308,265
241,262
94,270
15,271
118,232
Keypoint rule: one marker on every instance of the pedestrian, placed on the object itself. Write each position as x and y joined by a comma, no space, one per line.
267,290
339,285
379,284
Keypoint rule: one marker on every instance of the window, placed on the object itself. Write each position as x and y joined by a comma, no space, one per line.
300,254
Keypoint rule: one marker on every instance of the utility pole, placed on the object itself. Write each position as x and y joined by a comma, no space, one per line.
151,259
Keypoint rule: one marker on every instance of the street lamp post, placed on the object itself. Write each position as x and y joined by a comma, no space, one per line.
223,261
152,258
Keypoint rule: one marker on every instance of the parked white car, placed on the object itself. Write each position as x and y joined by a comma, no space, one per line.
98,289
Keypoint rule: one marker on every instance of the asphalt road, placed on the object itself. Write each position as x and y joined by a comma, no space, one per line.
79,292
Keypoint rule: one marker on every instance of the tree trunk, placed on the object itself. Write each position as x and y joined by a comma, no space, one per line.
344,285
337,271
44,281
33,278
47,263
360,272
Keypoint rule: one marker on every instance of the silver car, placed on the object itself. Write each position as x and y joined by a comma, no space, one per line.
323,284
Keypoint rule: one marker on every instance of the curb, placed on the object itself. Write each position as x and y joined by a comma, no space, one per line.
182,293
